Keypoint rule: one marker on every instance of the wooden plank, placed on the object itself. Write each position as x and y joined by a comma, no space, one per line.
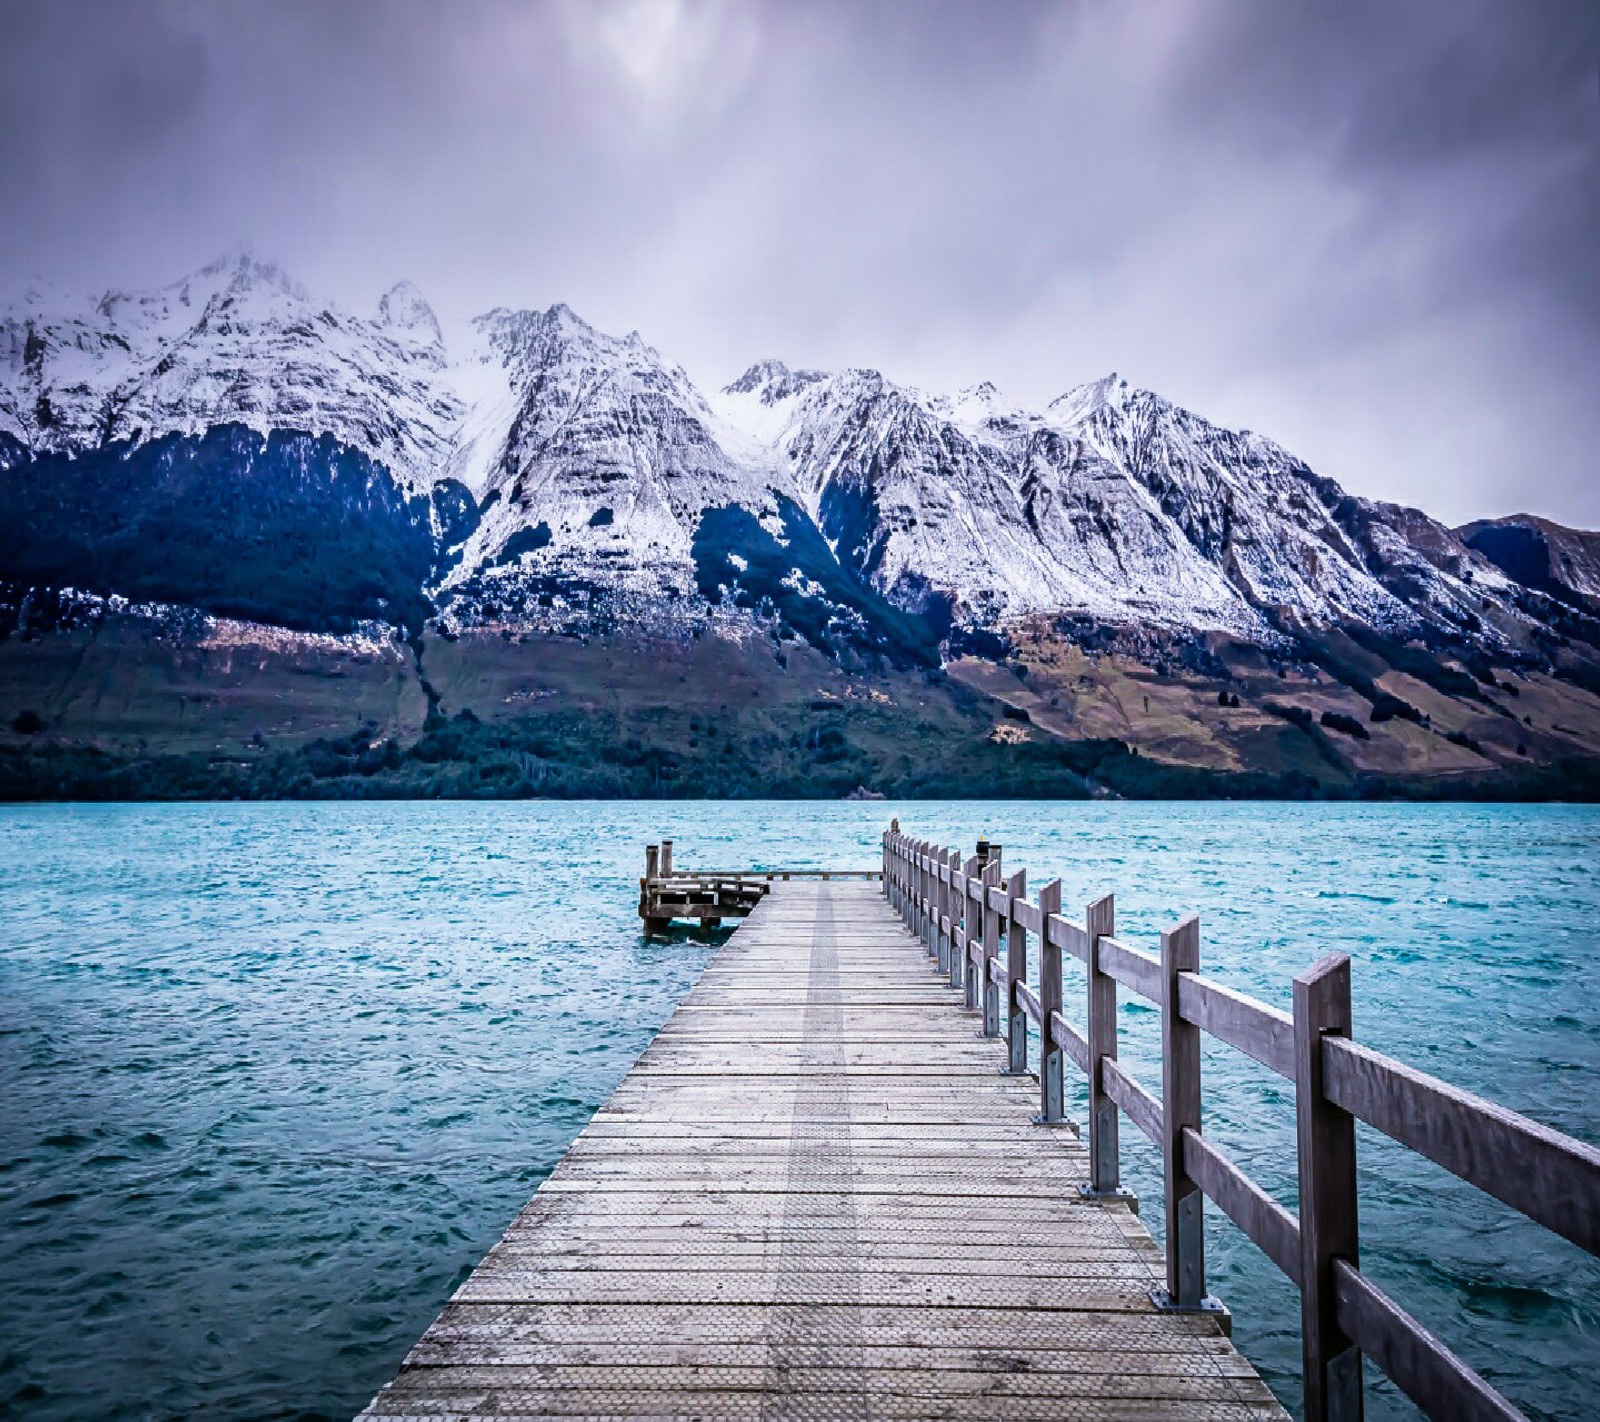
1420,1365
1072,1041
816,1194
1132,967
1270,1227
1550,1177
1251,1027
1070,937
1135,1102
1029,1001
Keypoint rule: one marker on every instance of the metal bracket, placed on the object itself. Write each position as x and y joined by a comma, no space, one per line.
1121,1195
1208,1307
1060,1123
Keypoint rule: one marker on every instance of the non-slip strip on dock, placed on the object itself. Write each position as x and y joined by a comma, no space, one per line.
816,1196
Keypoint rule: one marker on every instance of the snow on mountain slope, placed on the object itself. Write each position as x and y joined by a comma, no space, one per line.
1284,537
1113,503
236,343
595,462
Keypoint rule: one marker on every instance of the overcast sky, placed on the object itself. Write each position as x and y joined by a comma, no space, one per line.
1370,230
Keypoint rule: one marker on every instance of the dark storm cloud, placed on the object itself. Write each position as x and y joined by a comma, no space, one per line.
1370,230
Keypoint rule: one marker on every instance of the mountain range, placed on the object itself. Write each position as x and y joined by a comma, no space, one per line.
229,463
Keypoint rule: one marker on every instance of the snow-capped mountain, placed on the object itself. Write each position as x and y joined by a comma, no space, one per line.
1112,502
576,472
236,343
592,458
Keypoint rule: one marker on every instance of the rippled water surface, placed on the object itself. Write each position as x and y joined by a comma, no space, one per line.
273,1078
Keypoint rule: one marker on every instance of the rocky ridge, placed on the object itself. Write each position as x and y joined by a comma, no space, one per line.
598,486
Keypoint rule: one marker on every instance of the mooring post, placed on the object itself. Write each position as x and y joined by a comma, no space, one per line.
666,859
1180,1110
1016,973
1326,1136
991,950
646,887
1105,1183
1051,1110
652,860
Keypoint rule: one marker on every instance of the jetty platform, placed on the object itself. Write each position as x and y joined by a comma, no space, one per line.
833,1188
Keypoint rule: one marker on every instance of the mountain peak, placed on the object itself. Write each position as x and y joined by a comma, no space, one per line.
1109,392
240,270
406,312
563,318
773,381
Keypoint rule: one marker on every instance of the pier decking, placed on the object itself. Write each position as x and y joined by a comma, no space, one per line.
816,1195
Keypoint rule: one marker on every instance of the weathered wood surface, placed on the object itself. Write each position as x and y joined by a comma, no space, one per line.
816,1195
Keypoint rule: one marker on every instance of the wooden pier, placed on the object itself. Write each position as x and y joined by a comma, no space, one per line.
707,896
826,1190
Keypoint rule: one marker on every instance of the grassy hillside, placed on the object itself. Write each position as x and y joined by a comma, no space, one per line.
123,707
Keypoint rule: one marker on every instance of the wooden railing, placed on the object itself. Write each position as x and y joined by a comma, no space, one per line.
962,909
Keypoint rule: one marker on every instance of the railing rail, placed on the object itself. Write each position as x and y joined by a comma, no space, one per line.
963,911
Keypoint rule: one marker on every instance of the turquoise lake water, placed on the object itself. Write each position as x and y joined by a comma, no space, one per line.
274,1077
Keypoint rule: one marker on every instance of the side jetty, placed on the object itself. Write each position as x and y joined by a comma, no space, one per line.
832,1186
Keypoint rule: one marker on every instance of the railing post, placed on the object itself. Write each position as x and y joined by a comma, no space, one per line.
1326,1137
901,888
1051,1108
913,877
922,890
911,884
1016,972
908,870
991,950
1105,1180
1185,1291
947,907
905,881
959,920
960,963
